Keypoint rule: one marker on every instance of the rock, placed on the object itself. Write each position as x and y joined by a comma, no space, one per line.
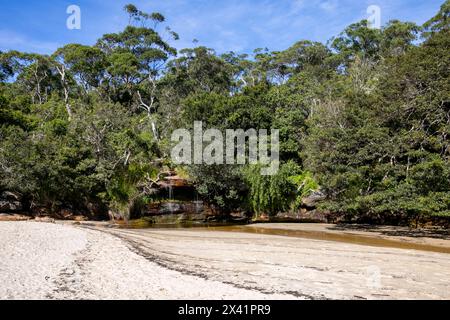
10,206
113,215
313,200
79,218
316,216
170,208
302,216
13,217
41,211
10,202
7,195
66,214
45,219
96,211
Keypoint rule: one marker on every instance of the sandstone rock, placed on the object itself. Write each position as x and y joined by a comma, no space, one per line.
45,219
10,202
303,216
168,208
316,216
113,215
10,206
13,217
7,195
40,211
66,214
313,200
96,211
79,218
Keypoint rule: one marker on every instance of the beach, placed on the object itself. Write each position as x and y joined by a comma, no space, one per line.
52,261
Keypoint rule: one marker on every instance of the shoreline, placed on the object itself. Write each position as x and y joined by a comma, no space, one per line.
94,261
422,239
85,264
431,240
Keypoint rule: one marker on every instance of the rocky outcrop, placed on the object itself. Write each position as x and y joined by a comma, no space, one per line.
14,217
174,207
309,211
313,200
10,206
10,202
303,215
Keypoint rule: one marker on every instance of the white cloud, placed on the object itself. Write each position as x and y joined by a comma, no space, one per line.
13,41
329,5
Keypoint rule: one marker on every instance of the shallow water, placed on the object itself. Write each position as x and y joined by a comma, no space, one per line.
372,241
344,237
142,224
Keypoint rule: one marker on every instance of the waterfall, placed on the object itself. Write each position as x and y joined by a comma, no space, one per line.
171,204
198,203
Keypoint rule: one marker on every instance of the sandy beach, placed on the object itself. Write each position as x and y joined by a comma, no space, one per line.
60,261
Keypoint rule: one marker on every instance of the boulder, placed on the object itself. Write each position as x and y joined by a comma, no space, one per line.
10,206
313,200
10,196
13,217
302,216
79,219
114,215
45,220
174,207
10,202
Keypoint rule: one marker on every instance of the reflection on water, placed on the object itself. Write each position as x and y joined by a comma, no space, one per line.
148,224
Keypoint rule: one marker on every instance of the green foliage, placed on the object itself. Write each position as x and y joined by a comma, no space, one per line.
272,194
364,120
6,69
220,185
440,22
305,185
381,153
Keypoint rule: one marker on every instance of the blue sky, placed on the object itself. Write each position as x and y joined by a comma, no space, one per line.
238,25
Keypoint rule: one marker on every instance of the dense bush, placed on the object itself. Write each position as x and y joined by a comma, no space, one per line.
364,120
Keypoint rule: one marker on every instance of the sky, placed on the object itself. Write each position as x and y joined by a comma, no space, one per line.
224,25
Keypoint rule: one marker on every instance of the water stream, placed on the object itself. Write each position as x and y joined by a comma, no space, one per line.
366,240
343,237
171,199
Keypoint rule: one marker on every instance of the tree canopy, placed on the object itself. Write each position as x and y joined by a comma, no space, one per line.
364,119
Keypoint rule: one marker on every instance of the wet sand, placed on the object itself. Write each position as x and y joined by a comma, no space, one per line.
108,263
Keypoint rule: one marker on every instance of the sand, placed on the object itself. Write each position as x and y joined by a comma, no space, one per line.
49,261
55,261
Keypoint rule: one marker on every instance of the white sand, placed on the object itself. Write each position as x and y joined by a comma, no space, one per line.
55,261
49,261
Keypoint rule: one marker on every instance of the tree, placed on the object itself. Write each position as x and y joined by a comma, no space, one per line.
440,22
136,58
364,120
33,72
271,194
5,67
366,145
65,78
358,40
398,37
85,63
